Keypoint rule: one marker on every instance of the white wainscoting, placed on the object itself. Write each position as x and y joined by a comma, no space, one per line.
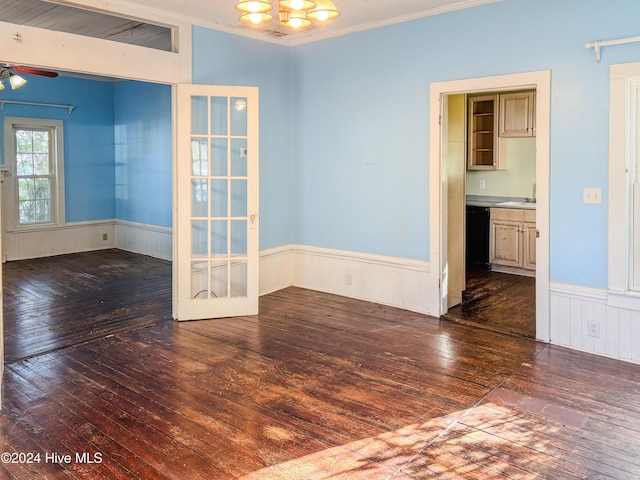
145,239
574,310
393,281
276,269
70,238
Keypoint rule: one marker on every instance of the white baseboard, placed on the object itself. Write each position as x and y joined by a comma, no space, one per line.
49,241
150,240
398,282
575,310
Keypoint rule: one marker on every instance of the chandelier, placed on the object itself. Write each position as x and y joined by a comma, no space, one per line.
291,13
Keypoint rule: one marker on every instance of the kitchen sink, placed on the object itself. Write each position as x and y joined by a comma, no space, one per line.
529,205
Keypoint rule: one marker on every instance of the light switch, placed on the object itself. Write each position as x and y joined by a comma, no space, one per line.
592,195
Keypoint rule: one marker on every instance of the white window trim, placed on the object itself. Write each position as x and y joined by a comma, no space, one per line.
9,173
622,79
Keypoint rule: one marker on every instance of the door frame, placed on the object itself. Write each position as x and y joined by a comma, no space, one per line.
541,81
24,45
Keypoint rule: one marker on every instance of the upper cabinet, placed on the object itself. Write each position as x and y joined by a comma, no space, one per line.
483,133
517,114
489,116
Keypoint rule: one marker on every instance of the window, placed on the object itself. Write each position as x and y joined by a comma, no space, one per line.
34,165
33,174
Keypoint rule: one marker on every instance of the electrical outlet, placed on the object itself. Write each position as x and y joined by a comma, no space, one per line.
481,184
348,280
104,236
593,328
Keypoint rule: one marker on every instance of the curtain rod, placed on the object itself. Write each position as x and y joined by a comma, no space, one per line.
55,105
599,44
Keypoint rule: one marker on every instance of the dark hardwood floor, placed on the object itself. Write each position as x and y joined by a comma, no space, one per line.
497,301
315,387
55,302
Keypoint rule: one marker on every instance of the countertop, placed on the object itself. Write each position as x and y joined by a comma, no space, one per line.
501,202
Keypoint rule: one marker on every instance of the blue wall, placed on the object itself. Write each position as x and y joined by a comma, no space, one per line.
224,59
143,153
361,146
344,139
356,176
88,138
118,147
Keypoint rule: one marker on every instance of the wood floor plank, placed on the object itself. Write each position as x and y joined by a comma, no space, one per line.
497,301
55,302
77,436
134,435
316,386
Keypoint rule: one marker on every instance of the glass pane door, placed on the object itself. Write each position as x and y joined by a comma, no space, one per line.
221,220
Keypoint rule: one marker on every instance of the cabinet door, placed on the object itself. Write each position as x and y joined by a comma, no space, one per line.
517,114
530,235
483,132
506,243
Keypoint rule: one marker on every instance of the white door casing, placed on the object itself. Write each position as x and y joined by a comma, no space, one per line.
541,82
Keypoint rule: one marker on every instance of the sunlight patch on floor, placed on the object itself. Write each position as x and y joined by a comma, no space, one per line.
470,441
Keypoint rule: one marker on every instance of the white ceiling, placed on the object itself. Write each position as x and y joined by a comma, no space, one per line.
355,15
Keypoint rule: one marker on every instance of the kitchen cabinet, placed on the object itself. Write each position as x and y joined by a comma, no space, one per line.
483,133
517,114
494,116
512,240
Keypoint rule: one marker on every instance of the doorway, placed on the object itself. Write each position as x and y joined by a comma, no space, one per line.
60,51
60,255
490,161
439,248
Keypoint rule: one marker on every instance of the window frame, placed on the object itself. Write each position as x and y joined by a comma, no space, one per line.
10,178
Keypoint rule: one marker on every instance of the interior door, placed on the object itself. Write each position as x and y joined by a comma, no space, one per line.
216,202
454,155
444,216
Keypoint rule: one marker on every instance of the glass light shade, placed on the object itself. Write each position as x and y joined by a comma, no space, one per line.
297,4
298,19
255,18
16,81
254,6
324,10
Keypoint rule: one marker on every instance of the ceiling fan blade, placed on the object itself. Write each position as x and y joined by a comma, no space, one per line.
35,71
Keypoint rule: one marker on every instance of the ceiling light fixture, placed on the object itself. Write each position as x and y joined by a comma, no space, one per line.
16,81
296,14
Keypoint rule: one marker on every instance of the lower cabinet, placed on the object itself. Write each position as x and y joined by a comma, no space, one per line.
512,241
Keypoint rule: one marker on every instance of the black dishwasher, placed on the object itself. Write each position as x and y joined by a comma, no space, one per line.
477,241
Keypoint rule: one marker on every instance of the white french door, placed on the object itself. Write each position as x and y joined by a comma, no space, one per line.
216,202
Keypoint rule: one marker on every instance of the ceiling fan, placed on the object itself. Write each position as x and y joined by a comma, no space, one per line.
16,81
